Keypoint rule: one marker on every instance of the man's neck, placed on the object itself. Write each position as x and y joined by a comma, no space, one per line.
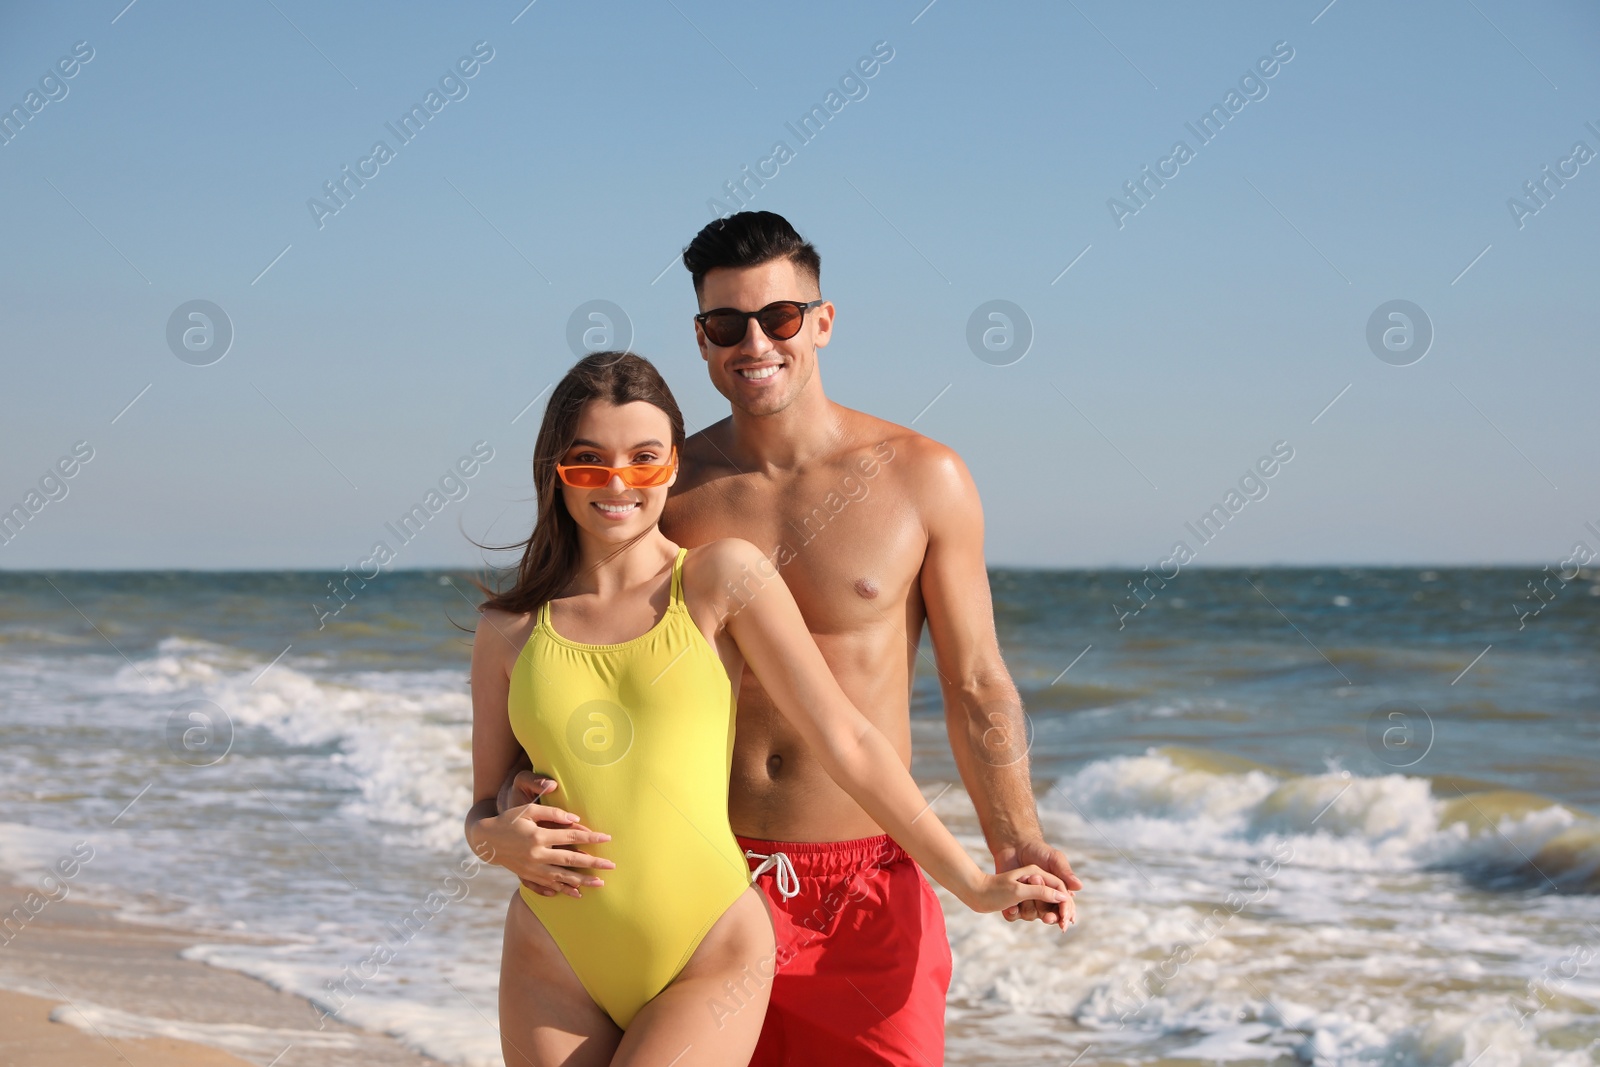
784,440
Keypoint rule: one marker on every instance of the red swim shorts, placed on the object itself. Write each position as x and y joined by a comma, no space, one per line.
863,961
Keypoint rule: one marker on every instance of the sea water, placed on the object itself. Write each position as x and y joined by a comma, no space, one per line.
1330,816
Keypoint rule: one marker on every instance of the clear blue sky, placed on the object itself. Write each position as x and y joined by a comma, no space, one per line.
1221,317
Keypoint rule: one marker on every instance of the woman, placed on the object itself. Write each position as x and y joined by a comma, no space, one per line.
610,662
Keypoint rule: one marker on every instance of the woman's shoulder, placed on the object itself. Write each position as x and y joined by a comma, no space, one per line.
728,569
502,619
724,556
501,634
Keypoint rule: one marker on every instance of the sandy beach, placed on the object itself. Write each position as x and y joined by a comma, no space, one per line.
79,988
31,1038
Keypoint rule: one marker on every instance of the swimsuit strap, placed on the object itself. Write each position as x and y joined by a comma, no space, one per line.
677,581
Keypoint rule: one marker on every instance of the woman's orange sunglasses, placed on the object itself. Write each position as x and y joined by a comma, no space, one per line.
635,476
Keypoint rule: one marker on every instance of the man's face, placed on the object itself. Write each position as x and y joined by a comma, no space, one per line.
761,376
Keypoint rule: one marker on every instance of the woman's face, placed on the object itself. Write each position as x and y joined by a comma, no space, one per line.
612,435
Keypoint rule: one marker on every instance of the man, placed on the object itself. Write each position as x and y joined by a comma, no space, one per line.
876,530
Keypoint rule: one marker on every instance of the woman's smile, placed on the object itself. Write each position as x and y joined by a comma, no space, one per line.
615,509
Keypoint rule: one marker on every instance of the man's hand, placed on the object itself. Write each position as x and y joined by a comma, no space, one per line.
1039,853
518,788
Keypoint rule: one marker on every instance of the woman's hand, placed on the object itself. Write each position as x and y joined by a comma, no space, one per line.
539,844
1039,852
997,892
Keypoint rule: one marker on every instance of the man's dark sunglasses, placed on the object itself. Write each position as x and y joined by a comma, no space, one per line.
780,320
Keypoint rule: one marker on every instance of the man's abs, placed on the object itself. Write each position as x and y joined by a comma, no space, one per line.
780,791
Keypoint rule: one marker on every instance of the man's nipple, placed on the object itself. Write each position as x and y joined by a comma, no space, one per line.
867,588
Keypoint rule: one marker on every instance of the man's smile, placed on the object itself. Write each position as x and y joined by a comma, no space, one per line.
758,373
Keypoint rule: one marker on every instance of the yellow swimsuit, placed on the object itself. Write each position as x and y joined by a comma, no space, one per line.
640,737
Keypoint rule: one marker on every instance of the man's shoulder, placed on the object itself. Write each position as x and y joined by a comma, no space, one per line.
868,443
915,458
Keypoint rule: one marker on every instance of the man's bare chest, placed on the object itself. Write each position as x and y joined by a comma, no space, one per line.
849,547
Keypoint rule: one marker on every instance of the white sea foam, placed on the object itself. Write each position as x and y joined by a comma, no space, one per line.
401,739
31,852
1351,932
349,775
1370,944
265,1042
447,1022
1334,821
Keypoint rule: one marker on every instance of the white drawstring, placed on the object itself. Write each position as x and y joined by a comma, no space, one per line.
783,872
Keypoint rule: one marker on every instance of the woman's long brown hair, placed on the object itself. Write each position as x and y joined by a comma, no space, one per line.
550,554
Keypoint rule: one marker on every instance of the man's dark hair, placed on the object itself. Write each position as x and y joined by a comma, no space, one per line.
748,239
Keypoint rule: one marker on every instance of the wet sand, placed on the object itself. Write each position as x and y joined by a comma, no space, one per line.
32,1040
78,988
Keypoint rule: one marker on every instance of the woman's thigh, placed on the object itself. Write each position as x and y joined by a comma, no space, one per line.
546,1016
712,1012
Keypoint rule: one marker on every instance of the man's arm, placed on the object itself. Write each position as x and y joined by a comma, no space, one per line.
517,790
773,639
983,713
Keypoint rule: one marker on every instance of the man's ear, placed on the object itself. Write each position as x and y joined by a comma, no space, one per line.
822,331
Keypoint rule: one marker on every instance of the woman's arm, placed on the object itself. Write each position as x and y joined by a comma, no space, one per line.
772,636
527,840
